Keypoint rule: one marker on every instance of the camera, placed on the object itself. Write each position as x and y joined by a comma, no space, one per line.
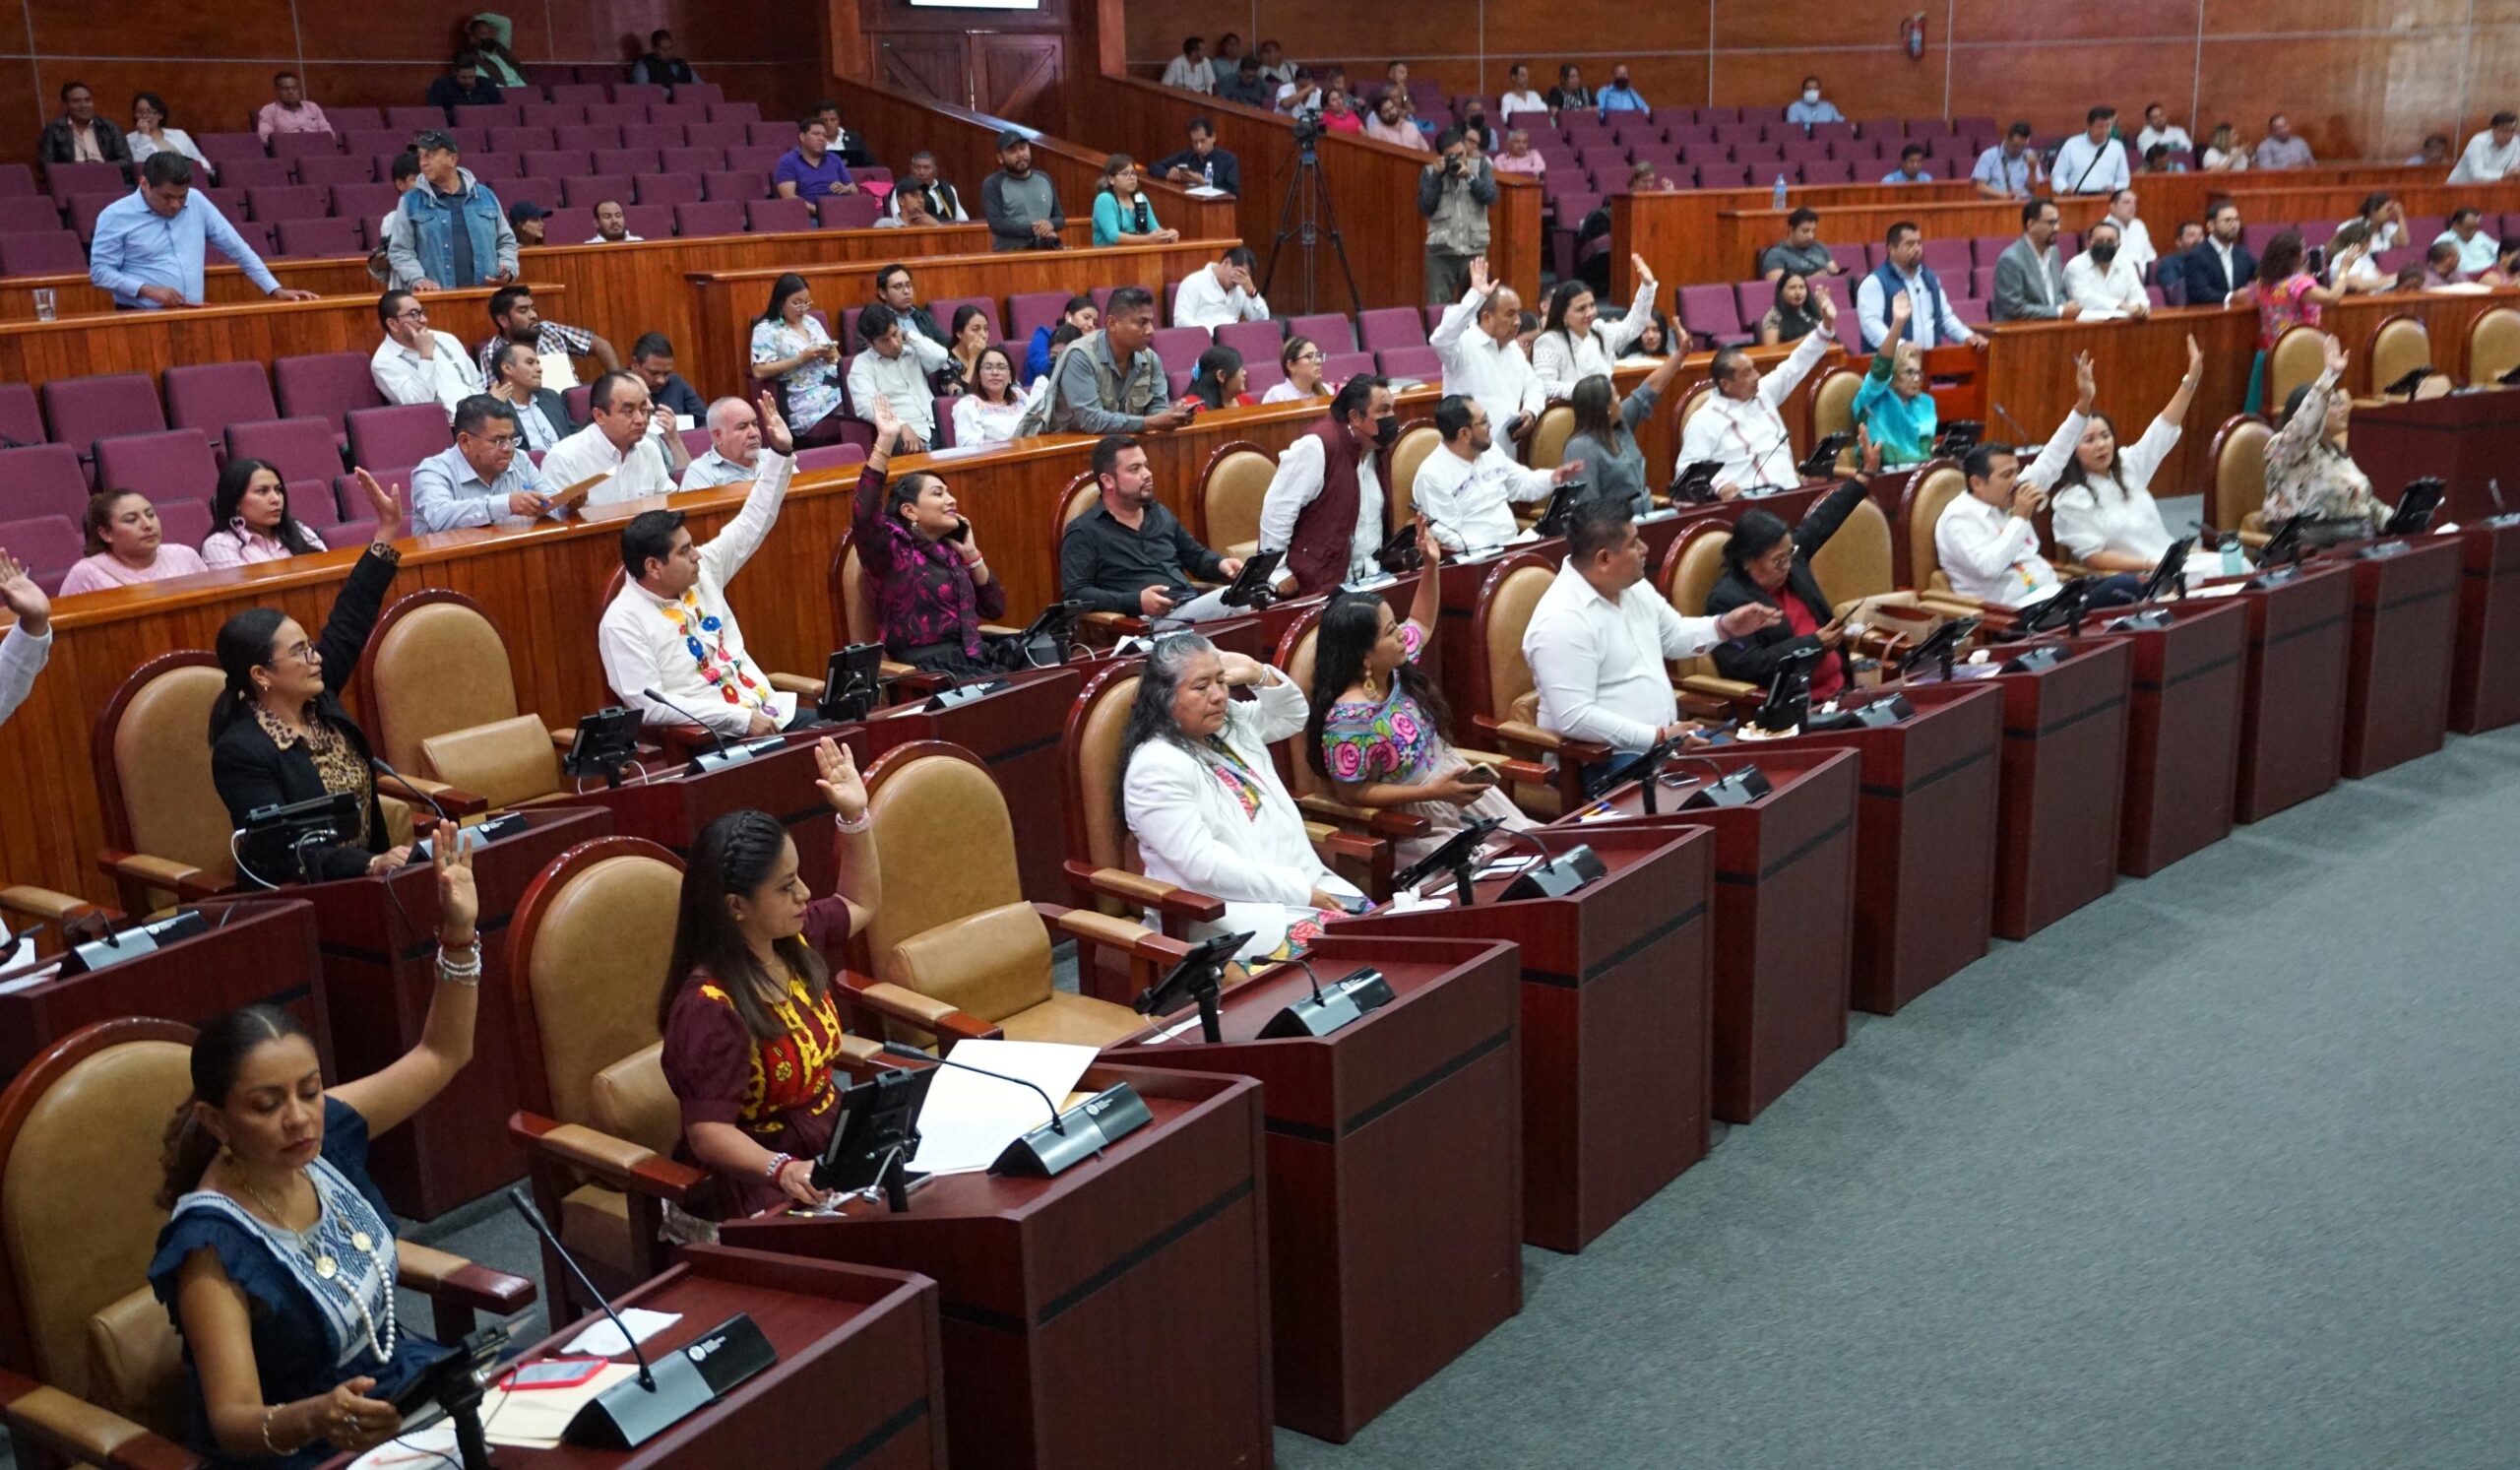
1308,127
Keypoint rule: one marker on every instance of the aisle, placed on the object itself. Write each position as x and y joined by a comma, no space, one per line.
2218,1172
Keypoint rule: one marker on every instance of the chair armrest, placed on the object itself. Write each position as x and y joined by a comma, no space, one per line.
1379,822
1119,624
1582,752
1506,766
997,630
451,1278
901,1003
1331,842
2256,540
1130,937
631,1168
1137,888
421,791
181,878
562,740
1713,687
1950,604
78,1431
46,905
796,683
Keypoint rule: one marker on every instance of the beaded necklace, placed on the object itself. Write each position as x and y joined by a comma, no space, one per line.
704,636
328,1269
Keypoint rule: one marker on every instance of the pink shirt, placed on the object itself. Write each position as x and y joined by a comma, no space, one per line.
274,118
2284,307
238,547
1405,133
1531,162
103,571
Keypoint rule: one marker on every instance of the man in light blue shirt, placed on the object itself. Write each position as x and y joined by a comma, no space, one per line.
151,247
1811,108
1619,96
1911,167
2008,169
483,480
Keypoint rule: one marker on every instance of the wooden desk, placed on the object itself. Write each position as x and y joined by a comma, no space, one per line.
1147,1261
1395,1171
671,808
258,952
2293,688
2467,440
2030,372
1015,732
2485,674
2183,733
1616,1021
1678,235
2397,679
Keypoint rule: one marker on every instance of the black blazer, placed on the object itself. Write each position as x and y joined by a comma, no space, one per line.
251,772
2203,273
1753,660
55,145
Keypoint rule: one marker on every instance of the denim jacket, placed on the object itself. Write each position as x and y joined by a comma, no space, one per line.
433,217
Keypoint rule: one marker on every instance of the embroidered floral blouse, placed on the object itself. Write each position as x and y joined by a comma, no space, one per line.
1387,740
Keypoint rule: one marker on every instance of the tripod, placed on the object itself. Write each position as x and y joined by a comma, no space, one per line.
1302,219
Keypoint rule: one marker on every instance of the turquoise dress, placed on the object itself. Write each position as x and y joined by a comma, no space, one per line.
1904,428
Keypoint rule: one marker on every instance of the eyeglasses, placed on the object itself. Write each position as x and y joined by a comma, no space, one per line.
415,314
499,441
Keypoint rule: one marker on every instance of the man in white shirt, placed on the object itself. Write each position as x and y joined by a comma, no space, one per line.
1326,540
1989,541
1517,95
2101,280
612,223
29,639
1599,638
1465,489
1274,64
2157,128
417,366
2092,162
2134,241
1740,428
1221,291
616,443
1488,363
2491,154
676,594
895,366
2281,148
1189,71
1931,322
734,447
2477,249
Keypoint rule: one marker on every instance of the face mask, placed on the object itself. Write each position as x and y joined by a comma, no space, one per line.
1386,431
2104,253
1810,94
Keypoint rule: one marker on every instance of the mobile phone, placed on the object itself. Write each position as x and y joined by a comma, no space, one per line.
1478,775
553,1373
962,530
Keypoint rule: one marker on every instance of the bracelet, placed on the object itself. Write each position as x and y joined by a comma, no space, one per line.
776,1162
864,819
453,971
268,1411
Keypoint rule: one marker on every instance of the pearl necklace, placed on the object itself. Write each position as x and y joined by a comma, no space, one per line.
329,1269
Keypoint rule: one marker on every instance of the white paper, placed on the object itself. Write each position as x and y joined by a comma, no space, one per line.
603,1340
434,1445
536,1418
1204,191
969,1119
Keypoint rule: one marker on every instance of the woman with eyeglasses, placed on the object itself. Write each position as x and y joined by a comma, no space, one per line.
1893,405
1769,563
1302,359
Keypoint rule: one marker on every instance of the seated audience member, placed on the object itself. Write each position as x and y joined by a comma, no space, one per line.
2160,132
1467,486
734,456
543,418
850,147
1620,95
463,85
1892,406
1570,91
932,581
1301,359
896,288
2102,506
2134,240
415,365
151,247
1274,64
267,1177
991,405
289,111
1518,95
2436,151
629,440
2467,232
1488,363
1129,554
790,345
1220,293
487,35
1474,126
1518,156
1338,112
1247,85
1653,340
2093,160
279,734
1220,379
1395,82
1299,92
28,642
1376,734
971,338
1801,250
529,221
459,235
2281,148
2158,158
1767,563
896,364
80,136
1526,332
1389,122
150,135
1200,792
1575,344
663,64
671,627
2224,153
933,194
1324,505
250,509
1911,167
2102,280
2286,295
1794,315
2009,169
813,169
1741,427
1903,272
2222,263
1022,205
1644,178
1110,382
514,318
126,546
1190,71
611,224
2029,281
2169,271
2441,266
2308,470
1811,108
393,228
652,358
1600,638
484,479
1202,163
1607,436
750,1027
2383,218
1080,313
1988,539
1123,215
2505,269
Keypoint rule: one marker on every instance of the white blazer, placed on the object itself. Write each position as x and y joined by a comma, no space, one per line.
1192,829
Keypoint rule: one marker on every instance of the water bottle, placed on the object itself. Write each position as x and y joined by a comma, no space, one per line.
1208,171
2233,563
1777,200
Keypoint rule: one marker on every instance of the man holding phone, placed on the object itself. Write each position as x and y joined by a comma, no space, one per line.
1129,554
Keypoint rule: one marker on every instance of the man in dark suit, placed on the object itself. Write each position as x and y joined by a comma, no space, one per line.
1202,162
2220,263
79,135
2169,272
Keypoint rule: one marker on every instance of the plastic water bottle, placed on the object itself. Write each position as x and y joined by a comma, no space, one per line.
2233,563
1209,170
1777,200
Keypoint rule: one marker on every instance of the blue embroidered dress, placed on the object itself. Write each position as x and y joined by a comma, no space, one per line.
1394,741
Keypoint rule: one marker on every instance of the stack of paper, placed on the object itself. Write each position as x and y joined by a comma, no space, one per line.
969,1119
535,1418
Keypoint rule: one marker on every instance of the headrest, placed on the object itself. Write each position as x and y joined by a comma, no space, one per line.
948,846
594,971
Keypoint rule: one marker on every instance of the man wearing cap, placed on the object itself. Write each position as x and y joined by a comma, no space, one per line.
1022,205
526,218
459,237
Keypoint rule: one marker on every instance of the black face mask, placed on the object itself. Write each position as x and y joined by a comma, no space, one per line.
1386,431
2104,253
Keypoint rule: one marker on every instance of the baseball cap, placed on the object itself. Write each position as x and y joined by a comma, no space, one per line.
433,138
1010,139
525,209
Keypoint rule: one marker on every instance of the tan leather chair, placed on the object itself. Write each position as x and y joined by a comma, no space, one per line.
1503,700
1549,438
955,949
47,912
1833,409
1859,561
1690,570
2236,496
2493,346
1935,484
2298,356
1417,441
92,1369
166,832
439,700
2399,346
1102,864
1074,498
1231,488
1698,398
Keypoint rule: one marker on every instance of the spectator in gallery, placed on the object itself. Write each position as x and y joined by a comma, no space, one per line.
734,456
1080,315
1570,91
1338,112
417,364
1188,72
487,35
2102,280
612,223
1911,167
897,363
2467,232
463,85
514,318
812,169
792,351
1123,215
1811,108
1021,203
1621,95
1473,123
1227,63
2226,153
1801,251
1793,315
652,358
1202,163
149,134
484,479
1274,66
289,111
663,65
628,441
991,405
79,135
2030,279
898,289
2282,147
543,418
2010,168
2436,151
1454,195
1221,293
2492,155
126,546
1301,360
1519,156
250,508
942,204
2093,160
528,219
2160,132
459,237
151,247
1389,122
1519,95
2158,158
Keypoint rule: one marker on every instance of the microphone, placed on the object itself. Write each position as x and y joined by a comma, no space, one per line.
720,739
2494,487
542,1228
2020,435
913,1053
409,785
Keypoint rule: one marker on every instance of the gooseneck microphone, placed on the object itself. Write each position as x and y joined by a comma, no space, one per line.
719,740
913,1053
542,1228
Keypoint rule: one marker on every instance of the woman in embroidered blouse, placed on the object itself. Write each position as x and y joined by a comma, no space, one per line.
125,546
790,344
2102,504
279,733
1122,214
277,1262
2307,470
1201,795
2287,296
250,508
751,1031
1574,343
931,579
1376,733
990,406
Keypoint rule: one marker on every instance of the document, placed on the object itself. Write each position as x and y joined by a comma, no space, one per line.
602,1339
969,1119
536,1418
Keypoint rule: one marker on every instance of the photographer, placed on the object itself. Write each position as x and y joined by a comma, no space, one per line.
1454,194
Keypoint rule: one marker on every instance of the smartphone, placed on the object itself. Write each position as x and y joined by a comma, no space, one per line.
554,1373
1478,775
962,530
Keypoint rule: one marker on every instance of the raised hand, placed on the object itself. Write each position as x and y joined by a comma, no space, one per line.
888,424
1480,280
1430,551
2195,356
1828,308
2086,385
2336,354
387,505
1867,452
1900,308
20,595
773,426
837,780
459,904
1644,272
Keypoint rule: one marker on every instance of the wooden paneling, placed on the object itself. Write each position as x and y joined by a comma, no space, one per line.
1740,235
1677,232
